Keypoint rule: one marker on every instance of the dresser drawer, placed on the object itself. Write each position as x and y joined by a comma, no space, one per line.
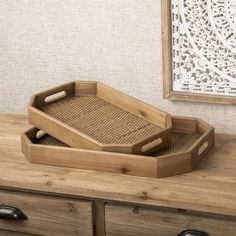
46,215
131,221
12,233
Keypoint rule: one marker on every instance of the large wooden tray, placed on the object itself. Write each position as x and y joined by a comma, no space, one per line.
191,141
91,115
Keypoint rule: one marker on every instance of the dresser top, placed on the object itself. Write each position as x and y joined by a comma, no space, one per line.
210,188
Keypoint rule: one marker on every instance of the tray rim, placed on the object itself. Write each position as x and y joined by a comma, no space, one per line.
38,118
153,167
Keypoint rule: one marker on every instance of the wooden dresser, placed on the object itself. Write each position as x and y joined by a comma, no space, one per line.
63,201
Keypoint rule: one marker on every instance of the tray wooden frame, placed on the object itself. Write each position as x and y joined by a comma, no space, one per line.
168,92
120,163
77,139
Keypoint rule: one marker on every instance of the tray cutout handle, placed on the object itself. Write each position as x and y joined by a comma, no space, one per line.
203,148
152,144
40,134
56,96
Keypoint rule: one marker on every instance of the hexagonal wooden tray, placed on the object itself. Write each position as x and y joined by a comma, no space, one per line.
192,139
94,116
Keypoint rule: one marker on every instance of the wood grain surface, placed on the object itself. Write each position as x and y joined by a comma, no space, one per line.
52,216
12,233
214,180
135,221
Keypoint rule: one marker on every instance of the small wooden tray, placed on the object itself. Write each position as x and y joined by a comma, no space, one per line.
192,140
91,115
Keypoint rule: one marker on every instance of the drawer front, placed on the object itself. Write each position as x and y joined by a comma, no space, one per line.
130,221
47,215
11,233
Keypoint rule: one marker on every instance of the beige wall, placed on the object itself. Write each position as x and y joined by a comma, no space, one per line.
47,42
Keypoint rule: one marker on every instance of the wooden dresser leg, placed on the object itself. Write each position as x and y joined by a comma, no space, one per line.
99,218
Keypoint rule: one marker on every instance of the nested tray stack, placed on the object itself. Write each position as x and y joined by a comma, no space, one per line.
88,125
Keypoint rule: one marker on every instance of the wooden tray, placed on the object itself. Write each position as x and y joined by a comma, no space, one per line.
192,139
91,115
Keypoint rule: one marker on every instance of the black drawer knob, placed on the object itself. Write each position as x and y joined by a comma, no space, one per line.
11,213
193,233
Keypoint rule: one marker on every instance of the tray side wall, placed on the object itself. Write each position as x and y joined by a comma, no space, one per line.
173,164
202,147
92,160
184,125
25,146
133,105
59,130
164,136
68,88
185,162
85,88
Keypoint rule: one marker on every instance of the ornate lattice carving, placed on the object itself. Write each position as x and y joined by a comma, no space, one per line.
204,46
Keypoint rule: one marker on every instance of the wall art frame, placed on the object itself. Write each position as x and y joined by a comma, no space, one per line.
217,88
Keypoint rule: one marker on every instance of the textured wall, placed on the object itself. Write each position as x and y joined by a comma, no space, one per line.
47,42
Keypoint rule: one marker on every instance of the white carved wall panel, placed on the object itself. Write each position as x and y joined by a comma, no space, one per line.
204,46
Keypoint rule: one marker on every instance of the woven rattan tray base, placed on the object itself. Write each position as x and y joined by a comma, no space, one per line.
101,120
191,141
94,116
180,143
